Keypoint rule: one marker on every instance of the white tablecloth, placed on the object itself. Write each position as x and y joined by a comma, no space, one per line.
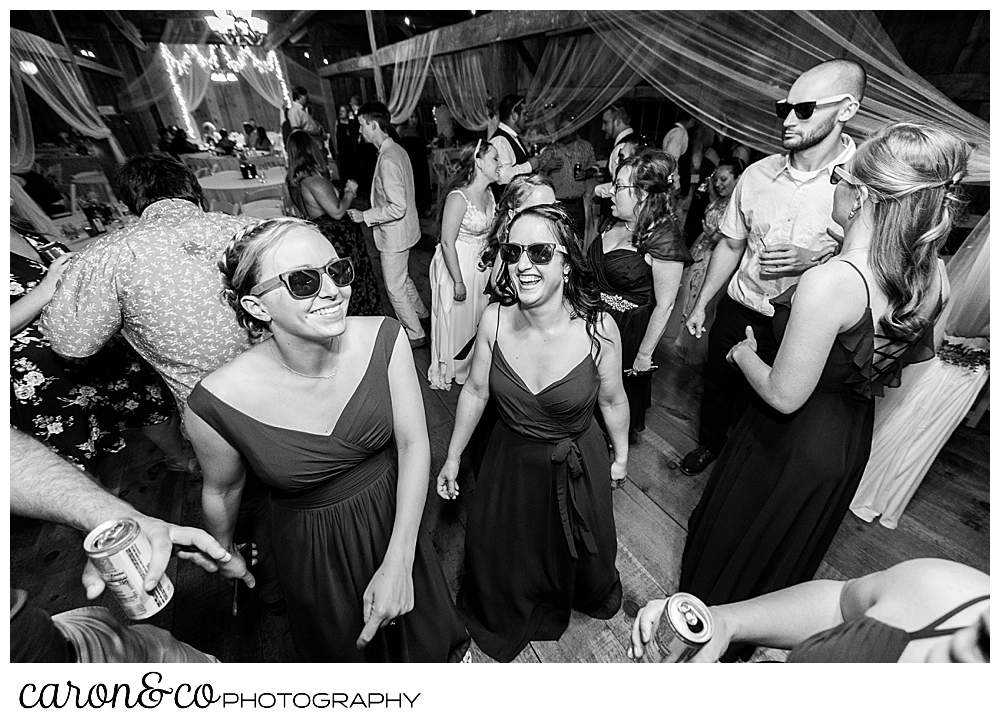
231,187
912,424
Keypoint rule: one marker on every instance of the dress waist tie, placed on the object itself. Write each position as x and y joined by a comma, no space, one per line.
569,475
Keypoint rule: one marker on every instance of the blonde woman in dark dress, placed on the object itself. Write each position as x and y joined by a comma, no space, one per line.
326,410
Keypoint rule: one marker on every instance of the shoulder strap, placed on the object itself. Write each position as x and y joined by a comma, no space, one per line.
386,338
867,292
459,192
931,631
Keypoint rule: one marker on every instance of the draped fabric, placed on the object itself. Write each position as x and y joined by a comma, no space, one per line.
727,68
24,206
578,76
261,77
57,85
22,138
155,84
127,29
408,78
460,79
968,310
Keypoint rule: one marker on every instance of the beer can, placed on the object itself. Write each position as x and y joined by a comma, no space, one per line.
684,629
122,554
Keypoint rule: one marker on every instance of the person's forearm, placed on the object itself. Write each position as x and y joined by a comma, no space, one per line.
26,309
411,493
721,266
470,409
758,374
450,256
45,486
220,508
784,618
615,413
654,329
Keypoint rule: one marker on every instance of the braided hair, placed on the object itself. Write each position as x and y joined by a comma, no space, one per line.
241,261
912,171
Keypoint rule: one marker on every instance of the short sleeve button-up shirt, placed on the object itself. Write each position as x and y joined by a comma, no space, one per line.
773,203
157,281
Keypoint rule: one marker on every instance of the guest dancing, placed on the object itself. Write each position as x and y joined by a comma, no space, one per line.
787,475
638,262
327,412
694,350
540,538
317,199
458,284
79,408
524,191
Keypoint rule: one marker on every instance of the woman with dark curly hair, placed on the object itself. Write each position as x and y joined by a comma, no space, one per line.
540,538
317,199
326,410
638,261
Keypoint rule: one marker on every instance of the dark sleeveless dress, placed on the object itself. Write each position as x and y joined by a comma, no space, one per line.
784,482
347,240
333,504
624,275
540,537
867,640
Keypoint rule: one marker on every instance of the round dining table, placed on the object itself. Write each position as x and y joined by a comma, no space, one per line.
211,161
231,187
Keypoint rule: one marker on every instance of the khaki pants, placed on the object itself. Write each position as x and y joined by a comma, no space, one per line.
402,292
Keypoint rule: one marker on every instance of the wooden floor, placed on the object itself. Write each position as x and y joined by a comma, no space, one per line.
948,517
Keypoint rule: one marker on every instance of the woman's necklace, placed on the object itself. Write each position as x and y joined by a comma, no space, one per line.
307,376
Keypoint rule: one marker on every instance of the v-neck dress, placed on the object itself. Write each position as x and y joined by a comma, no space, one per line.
540,538
333,505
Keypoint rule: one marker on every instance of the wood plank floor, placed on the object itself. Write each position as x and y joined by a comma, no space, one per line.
948,517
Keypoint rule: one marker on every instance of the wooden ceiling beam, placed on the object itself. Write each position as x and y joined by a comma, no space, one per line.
287,29
495,27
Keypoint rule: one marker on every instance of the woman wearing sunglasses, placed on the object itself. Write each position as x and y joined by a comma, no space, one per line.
457,282
540,538
326,410
638,260
791,467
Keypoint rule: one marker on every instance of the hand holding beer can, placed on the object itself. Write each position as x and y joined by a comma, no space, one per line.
685,627
121,553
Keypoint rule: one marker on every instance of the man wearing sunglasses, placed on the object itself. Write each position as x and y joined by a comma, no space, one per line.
393,219
777,225
506,139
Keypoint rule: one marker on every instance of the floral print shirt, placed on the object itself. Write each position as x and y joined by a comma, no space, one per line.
157,281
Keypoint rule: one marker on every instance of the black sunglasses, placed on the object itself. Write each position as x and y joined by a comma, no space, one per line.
804,110
306,283
540,254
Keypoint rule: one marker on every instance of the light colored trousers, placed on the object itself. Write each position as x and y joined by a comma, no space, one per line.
402,292
100,638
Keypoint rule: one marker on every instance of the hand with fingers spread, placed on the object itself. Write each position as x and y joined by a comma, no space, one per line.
388,596
788,259
200,548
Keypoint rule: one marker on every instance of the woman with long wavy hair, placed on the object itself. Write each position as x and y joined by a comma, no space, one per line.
787,475
638,260
317,199
456,279
540,538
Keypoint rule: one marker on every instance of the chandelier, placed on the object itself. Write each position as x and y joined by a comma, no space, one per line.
237,27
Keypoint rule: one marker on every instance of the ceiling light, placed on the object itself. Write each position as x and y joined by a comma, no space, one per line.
406,20
28,67
237,27
305,53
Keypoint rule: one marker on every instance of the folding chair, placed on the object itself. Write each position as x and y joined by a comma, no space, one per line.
266,192
233,209
264,208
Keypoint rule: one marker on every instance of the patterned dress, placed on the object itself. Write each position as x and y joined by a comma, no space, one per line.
454,323
79,407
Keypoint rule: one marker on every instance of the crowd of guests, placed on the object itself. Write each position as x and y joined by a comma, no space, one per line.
302,404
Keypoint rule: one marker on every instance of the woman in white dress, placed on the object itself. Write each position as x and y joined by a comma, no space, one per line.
456,279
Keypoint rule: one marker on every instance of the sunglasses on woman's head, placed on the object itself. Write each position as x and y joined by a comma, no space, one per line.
540,254
804,110
306,283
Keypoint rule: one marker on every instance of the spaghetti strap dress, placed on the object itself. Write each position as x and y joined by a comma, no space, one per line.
333,504
454,323
783,482
540,539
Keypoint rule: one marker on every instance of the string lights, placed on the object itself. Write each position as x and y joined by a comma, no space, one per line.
224,71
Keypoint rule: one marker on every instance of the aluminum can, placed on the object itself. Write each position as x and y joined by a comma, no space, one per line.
122,554
684,629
